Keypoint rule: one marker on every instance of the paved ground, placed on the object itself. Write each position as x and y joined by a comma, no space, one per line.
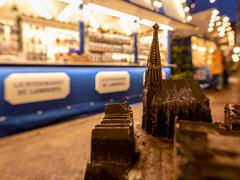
61,151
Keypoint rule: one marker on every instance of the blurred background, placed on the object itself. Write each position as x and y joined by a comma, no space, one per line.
63,60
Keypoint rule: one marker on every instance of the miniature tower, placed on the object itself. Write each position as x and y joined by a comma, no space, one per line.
153,80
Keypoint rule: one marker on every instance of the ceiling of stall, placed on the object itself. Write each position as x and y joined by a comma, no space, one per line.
171,8
68,11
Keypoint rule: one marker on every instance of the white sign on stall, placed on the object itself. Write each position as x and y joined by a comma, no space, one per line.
23,88
110,82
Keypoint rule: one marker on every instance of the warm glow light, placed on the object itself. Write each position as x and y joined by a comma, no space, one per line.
90,17
235,58
221,34
183,1
231,44
230,33
229,28
211,24
231,38
189,18
150,23
226,19
212,20
186,9
111,12
194,46
212,1
215,12
236,50
210,29
193,5
125,26
118,14
213,16
211,50
228,24
201,49
117,57
217,18
69,9
218,23
220,29
157,4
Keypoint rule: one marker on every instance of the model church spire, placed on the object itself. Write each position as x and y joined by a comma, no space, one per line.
153,80
154,72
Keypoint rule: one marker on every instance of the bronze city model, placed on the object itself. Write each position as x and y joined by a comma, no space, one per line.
163,100
171,108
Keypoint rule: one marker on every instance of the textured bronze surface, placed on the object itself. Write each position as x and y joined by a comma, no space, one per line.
112,144
166,99
201,151
232,116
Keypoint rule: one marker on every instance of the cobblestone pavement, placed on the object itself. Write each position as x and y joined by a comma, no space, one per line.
61,151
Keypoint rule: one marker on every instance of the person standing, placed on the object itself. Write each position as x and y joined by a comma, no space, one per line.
216,69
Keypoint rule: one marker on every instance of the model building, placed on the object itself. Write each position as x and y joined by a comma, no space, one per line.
165,100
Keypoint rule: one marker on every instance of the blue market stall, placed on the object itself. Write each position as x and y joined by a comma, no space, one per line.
73,61
34,96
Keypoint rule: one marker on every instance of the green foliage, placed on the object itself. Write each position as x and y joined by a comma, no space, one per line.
181,57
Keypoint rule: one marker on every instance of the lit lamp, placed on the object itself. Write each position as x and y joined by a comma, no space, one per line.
157,4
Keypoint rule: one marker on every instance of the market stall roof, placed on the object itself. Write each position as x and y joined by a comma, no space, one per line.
202,19
97,12
141,14
171,8
175,9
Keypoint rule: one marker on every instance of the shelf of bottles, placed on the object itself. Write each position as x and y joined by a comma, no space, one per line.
45,43
8,37
144,42
109,47
36,39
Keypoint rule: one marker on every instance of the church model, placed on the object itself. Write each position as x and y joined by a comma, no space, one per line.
199,149
164,100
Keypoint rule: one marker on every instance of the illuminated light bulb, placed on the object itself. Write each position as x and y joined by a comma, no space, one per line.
217,18
235,58
193,5
231,44
231,38
189,18
194,46
210,29
213,16
212,1
228,24
224,25
201,49
211,24
212,20
220,28
211,50
218,23
186,9
221,34
229,28
157,4
230,33
215,12
236,50
183,1
226,19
